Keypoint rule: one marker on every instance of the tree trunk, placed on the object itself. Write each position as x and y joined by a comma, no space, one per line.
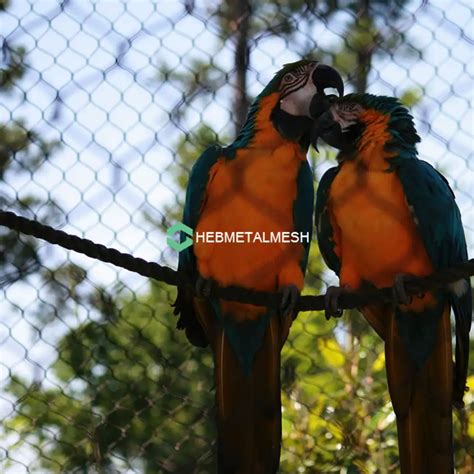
241,13
364,54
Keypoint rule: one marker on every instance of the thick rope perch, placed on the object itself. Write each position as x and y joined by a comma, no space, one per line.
168,275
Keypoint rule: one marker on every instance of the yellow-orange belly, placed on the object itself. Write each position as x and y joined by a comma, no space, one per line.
377,236
253,192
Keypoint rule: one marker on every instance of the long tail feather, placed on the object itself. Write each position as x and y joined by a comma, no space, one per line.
422,400
462,306
249,407
234,413
267,401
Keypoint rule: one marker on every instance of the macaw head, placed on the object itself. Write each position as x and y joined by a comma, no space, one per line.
299,90
301,86
349,118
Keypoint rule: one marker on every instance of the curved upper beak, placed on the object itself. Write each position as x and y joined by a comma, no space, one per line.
328,129
325,76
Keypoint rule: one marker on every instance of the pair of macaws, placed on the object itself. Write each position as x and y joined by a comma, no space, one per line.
381,215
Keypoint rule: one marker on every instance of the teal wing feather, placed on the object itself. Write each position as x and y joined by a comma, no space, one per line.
324,230
303,208
437,215
195,193
439,222
245,337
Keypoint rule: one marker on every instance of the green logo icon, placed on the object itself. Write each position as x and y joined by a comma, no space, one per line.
179,227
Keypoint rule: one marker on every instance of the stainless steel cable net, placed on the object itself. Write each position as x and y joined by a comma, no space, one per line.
104,106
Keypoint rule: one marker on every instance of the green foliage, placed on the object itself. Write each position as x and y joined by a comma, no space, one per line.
329,405
188,150
464,426
411,97
15,59
129,386
127,390
370,33
22,151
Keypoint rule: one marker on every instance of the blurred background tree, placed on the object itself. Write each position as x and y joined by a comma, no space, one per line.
22,151
127,392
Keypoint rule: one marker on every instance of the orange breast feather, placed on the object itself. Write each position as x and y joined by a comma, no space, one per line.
254,192
376,234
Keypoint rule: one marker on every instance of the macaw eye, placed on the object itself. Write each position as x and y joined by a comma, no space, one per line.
287,78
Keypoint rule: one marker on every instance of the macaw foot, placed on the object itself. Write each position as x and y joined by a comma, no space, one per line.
458,394
331,301
289,299
398,290
204,287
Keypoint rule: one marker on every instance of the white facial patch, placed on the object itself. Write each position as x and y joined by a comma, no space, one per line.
298,102
459,287
346,114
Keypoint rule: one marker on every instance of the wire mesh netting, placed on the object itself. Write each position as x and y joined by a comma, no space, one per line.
104,108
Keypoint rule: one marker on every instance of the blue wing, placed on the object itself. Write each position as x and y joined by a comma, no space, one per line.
439,222
195,194
324,230
303,208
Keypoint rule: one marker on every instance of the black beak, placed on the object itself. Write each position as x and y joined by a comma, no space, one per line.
325,76
328,129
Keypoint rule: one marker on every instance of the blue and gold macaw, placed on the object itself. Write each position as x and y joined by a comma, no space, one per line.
382,215
262,182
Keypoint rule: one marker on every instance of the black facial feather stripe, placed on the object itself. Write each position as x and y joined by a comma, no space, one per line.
294,86
295,79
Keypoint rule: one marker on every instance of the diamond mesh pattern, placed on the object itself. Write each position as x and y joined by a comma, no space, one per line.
104,108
